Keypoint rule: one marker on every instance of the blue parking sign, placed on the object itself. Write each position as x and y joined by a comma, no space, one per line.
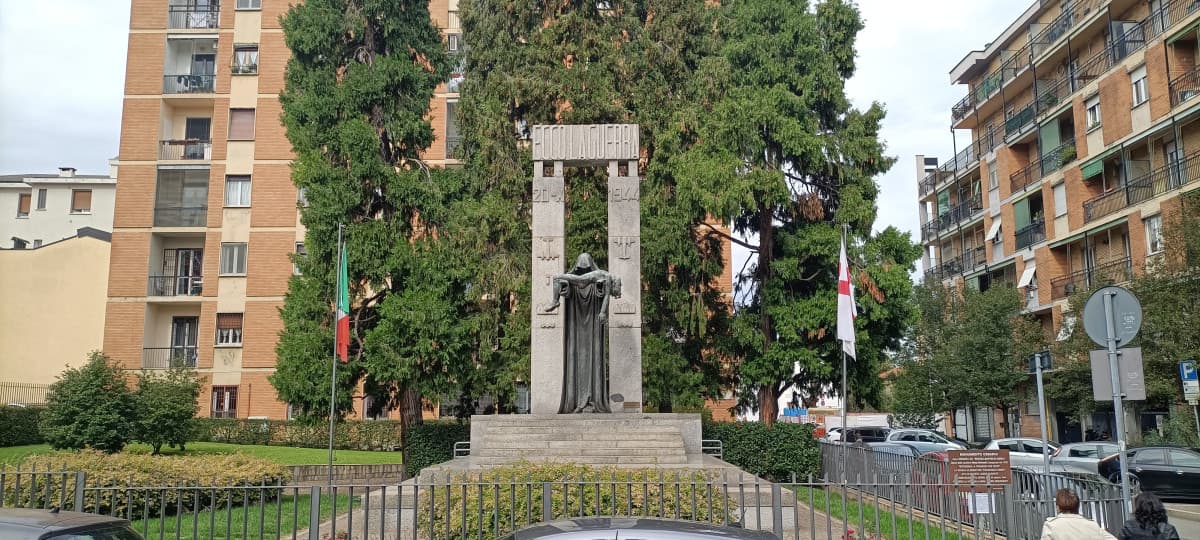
1187,370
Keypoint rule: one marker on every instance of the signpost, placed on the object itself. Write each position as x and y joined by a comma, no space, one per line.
1191,386
1112,318
1041,362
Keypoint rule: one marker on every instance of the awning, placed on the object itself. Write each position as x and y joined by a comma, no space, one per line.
1027,276
1188,32
1095,165
1089,232
994,231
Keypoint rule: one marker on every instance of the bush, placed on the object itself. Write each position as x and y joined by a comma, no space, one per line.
165,402
89,407
490,501
19,426
347,435
774,453
431,443
133,470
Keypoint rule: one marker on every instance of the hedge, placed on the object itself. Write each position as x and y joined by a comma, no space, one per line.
19,426
431,443
129,470
774,453
492,504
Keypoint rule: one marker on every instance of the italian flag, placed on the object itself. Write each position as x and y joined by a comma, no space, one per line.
343,308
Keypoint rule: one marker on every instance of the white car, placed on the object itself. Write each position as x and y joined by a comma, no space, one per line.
1022,450
833,434
1084,456
924,440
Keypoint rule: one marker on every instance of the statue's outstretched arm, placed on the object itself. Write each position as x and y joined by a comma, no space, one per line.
560,288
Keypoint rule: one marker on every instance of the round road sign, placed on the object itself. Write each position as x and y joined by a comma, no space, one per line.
1127,316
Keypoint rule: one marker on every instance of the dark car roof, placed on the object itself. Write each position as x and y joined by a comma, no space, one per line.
634,528
34,523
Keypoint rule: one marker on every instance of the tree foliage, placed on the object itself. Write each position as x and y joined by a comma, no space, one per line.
356,105
89,407
783,156
164,405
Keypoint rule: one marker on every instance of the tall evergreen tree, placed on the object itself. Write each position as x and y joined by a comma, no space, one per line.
785,158
581,62
357,94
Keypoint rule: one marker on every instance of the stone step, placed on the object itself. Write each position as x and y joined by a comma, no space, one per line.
487,461
542,446
585,438
517,452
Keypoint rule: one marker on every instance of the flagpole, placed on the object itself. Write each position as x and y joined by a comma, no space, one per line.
845,432
334,359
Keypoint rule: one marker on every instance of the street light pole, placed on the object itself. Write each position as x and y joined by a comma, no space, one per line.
1038,358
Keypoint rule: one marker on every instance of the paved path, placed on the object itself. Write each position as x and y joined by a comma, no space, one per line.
1185,518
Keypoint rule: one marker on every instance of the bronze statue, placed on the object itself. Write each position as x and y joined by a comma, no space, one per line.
585,368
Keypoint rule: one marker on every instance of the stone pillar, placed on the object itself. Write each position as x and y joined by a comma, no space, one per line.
625,313
549,246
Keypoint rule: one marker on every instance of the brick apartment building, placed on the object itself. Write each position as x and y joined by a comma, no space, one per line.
1084,132
206,214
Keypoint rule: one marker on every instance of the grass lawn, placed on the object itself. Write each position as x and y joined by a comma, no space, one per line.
830,501
277,519
284,455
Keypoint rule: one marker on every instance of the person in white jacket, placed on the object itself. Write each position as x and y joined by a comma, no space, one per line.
1068,524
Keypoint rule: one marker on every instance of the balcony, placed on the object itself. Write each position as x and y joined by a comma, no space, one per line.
974,257
181,198
957,214
184,149
929,229
1185,87
169,357
193,16
187,83
175,286
1021,119
1109,273
1031,234
180,216
1148,186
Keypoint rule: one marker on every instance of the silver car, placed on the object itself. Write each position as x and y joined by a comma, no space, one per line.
614,528
924,440
1022,450
1084,456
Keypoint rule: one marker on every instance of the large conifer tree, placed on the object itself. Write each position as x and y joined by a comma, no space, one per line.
357,92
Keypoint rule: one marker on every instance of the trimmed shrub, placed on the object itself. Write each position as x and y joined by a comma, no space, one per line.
164,403
134,470
774,453
89,407
496,502
431,443
19,426
347,435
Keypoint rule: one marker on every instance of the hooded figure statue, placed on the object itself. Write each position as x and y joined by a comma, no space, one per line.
585,368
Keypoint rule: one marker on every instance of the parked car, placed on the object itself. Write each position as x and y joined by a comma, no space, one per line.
1083,457
612,528
865,434
924,440
833,434
1021,450
889,459
25,524
1034,488
1170,472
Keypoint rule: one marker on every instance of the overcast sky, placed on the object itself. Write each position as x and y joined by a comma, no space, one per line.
61,84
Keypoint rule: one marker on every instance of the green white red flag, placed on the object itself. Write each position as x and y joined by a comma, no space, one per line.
343,307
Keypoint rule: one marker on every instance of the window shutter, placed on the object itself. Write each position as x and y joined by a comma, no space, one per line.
241,124
23,203
229,321
81,200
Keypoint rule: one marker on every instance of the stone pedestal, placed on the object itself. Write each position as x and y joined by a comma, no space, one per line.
628,440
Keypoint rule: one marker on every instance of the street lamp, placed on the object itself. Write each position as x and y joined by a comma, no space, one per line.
1038,363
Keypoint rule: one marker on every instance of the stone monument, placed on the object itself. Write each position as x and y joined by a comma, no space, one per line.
616,147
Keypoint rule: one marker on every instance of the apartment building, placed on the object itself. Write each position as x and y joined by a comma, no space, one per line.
37,209
206,214
1083,130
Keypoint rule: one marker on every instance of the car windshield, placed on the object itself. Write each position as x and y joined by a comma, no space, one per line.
106,533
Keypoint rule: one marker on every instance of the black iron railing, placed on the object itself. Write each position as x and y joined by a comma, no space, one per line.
182,149
1156,182
959,213
169,357
1023,117
193,16
189,84
1108,273
1031,234
180,216
961,109
929,229
175,286
974,257
1185,86
952,266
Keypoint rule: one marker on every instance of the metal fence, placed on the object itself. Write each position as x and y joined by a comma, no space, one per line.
19,393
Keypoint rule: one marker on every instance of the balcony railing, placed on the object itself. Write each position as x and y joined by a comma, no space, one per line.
180,216
169,357
959,213
952,266
1057,157
452,142
974,257
929,229
1155,183
1022,118
189,84
1031,234
1185,87
933,274
184,149
961,109
193,16
175,286
1109,273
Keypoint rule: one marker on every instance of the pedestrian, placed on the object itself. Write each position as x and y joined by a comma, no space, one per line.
1068,524
1149,521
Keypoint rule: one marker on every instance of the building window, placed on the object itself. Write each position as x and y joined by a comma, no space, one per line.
37,243
300,252
241,124
237,191
1060,199
292,411
23,204
982,424
41,199
452,137
233,259
224,402
249,4
993,176
302,196
245,59
1093,112
229,329
81,201
1154,234
368,413
1140,91
19,243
